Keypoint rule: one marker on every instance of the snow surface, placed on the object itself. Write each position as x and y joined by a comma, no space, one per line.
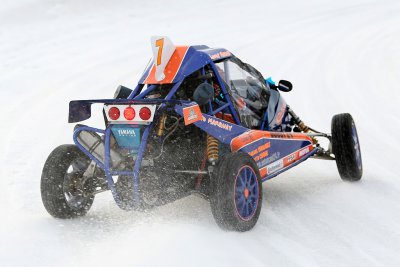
342,56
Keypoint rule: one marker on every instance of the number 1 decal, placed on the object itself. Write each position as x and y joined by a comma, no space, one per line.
159,44
162,49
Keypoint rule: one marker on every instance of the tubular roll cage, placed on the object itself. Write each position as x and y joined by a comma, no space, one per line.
137,96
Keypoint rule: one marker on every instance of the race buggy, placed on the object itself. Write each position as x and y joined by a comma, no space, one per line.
199,121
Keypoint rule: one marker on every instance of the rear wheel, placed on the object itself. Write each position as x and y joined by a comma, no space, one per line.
236,192
63,188
346,147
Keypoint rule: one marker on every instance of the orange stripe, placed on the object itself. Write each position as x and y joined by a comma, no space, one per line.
254,135
171,69
263,172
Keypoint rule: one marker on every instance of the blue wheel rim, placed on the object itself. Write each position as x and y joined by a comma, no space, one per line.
246,193
356,144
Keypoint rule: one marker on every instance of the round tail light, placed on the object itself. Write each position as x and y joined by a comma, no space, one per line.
145,113
114,113
129,113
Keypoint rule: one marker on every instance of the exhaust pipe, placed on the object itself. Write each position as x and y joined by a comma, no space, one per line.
95,145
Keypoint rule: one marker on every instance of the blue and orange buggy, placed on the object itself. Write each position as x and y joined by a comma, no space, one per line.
199,121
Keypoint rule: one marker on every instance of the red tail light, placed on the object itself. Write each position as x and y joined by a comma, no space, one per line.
145,113
129,113
114,113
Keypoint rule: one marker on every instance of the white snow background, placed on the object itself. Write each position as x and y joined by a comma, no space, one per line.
342,56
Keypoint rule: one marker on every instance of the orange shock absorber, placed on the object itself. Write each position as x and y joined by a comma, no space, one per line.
212,148
161,125
301,124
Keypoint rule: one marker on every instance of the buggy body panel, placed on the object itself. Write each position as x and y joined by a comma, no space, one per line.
273,151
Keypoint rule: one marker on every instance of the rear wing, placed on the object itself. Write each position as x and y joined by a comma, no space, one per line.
80,110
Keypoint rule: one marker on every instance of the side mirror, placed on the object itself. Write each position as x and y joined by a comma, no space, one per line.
203,93
285,86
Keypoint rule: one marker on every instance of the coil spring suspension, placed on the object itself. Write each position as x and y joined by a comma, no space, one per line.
301,124
212,148
161,125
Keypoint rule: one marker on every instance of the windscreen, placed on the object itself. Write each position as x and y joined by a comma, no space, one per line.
248,90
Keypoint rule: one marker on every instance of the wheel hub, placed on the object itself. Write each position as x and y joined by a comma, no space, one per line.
246,193
73,187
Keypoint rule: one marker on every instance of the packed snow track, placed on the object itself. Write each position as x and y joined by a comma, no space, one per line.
341,56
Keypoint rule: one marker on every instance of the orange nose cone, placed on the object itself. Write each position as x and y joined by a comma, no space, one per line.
246,192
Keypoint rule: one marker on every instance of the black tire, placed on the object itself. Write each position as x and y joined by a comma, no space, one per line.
346,147
226,194
60,176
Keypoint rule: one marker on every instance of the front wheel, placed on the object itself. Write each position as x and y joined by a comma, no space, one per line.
63,188
346,147
236,192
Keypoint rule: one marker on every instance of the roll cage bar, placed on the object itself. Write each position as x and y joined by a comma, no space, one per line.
81,110
139,93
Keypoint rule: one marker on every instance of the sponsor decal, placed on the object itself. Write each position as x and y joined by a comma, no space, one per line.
282,135
221,55
219,124
127,137
274,163
273,167
260,149
304,151
192,114
126,132
291,158
273,157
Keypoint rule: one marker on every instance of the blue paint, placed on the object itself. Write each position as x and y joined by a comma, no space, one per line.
264,124
138,163
107,165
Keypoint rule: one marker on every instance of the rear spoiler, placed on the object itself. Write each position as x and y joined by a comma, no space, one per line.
80,110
